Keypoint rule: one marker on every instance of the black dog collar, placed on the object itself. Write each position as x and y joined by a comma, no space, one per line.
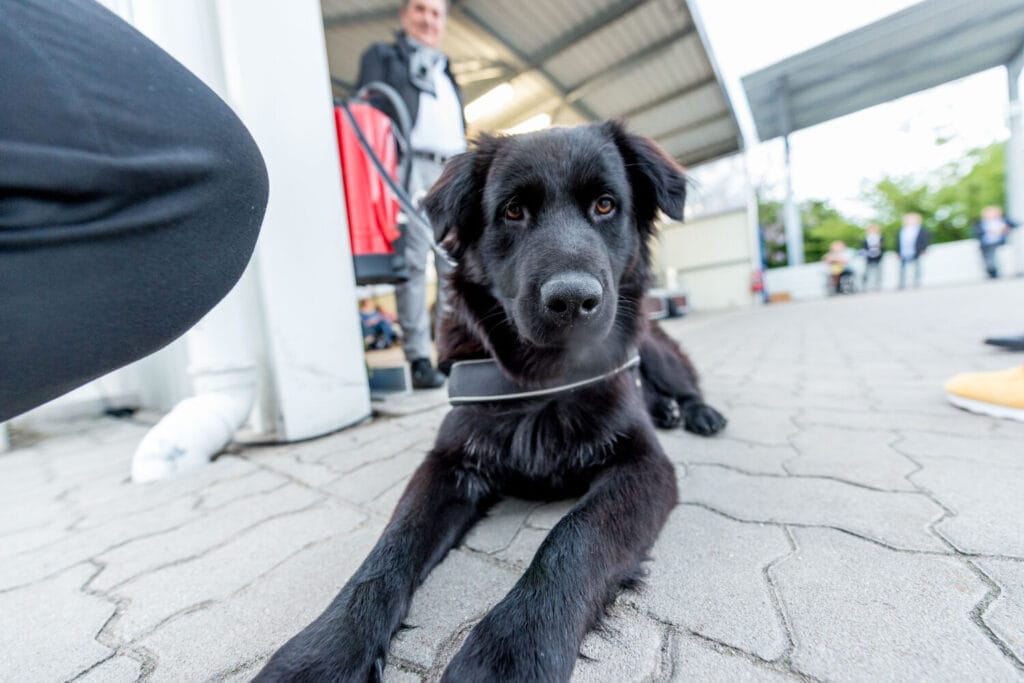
480,381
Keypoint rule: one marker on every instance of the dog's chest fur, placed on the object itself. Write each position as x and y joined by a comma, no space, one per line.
536,447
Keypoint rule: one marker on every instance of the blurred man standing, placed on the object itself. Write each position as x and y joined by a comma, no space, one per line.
912,242
992,231
415,67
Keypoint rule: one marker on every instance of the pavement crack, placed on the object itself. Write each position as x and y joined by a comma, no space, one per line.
977,615
107,636
778,604
812,477
217,546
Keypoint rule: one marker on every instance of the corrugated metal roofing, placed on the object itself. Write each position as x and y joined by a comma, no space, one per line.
577,60
925,45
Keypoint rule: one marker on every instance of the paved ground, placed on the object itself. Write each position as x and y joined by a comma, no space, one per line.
848,524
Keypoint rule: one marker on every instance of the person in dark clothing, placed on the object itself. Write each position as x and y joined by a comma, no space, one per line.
912,241
415,67
130,198
873,249
992,230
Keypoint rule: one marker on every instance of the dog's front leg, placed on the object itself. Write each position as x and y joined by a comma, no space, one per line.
349,641
535,632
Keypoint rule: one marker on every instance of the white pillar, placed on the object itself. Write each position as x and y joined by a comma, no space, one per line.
277,78
1015,159
292,321
790,212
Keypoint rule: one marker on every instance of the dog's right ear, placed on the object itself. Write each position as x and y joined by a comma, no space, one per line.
453,203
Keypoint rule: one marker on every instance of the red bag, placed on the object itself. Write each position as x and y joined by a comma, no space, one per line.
372,210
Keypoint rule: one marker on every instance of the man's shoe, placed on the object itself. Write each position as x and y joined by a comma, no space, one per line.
1009,343
424,376
999,394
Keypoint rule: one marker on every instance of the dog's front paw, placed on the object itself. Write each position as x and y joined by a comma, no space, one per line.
502,649
304,660
665,413
700,418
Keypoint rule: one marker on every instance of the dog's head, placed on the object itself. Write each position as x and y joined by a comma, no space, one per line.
550,230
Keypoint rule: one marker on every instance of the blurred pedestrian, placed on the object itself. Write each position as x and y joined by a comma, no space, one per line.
992,230
873,249
913,241
840,277
415,67
378,333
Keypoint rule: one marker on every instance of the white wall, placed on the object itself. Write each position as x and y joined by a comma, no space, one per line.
948,263
709,258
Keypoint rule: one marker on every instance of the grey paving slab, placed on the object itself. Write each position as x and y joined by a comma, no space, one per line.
708,576
48,629
156,596
200,534
863,457
1005,615
628,648
697,659
117,669
756,458
984,500
828,402
495,532
897,519
253,621
456,595
862,612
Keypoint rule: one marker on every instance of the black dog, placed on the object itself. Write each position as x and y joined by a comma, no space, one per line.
550,232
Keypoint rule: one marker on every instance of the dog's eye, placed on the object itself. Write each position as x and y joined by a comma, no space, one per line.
604,205
513,211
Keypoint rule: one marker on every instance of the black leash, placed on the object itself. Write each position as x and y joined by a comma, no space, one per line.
413,213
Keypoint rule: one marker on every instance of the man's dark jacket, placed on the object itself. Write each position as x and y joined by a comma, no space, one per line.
390,63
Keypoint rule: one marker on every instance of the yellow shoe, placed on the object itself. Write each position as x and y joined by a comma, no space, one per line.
999,394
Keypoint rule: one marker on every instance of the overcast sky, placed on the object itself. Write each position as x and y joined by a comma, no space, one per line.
830,161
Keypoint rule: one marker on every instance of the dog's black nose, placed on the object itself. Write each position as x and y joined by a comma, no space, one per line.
571,296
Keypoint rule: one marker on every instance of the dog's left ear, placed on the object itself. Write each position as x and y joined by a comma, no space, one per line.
453,203
658,182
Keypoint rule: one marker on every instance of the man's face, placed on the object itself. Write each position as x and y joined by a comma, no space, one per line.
424,21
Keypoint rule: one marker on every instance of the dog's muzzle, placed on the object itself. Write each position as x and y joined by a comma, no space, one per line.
570,298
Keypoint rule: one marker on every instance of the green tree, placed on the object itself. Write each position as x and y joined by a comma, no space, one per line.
822,224
949,198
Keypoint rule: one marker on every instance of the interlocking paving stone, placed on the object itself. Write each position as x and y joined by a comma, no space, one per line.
119,669
254,621
200,534
840,379
750,457
897,519
985,499
862,612
79,547
1005,616
761,425
370,481
48,629
460,591
157,596
707,576
496,531
859,457
626,650
695,659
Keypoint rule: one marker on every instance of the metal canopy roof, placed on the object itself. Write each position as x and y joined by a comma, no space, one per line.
923,46
576,60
